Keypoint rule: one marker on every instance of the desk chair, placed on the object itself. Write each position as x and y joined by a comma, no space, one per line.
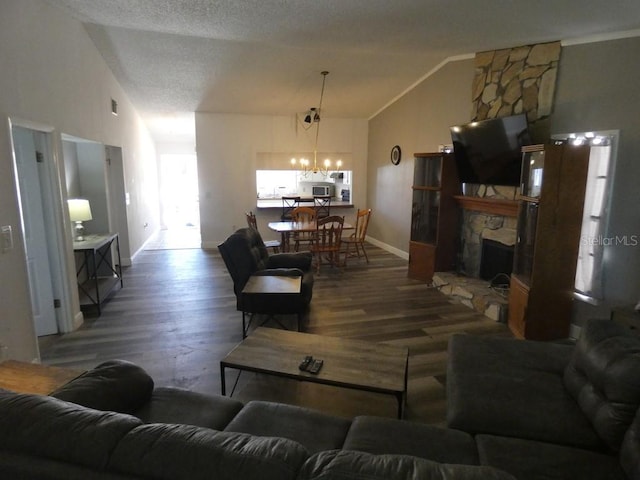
357,238
288,204
244,255
253,223
304,215
327,240
322,204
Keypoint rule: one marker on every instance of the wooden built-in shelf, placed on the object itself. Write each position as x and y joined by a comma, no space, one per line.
492,206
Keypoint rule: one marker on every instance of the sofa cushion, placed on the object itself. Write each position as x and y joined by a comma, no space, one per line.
630,449
344,465
315,430
24,466
510,387
379,435
116,385
51,428
186,452
176,405
602,377
533,460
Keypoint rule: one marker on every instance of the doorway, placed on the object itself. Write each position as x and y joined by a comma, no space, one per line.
41,217
179,203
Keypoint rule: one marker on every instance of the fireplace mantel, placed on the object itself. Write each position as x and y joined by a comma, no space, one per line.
492,206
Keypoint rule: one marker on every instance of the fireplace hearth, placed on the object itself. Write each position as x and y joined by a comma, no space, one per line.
475,293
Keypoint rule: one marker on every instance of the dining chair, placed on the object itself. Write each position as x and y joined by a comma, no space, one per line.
322,204
357,238
253,223
327,240
304,215
288,204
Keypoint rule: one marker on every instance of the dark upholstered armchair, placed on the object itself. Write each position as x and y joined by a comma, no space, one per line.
245,255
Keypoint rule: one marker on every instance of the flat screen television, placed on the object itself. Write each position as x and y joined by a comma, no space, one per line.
489,151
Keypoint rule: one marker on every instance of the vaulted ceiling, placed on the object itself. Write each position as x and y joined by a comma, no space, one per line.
265,56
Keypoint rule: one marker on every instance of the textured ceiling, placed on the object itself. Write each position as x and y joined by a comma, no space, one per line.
265,56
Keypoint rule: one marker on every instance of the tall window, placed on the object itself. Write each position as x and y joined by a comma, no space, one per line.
594,233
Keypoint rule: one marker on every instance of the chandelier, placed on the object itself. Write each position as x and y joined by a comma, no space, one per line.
313,115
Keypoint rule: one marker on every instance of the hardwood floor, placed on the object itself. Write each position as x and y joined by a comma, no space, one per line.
176,317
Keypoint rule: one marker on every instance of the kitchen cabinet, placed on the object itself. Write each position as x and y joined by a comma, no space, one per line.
548,237
434,215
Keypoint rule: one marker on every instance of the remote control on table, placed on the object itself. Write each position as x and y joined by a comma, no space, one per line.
306,362
315,366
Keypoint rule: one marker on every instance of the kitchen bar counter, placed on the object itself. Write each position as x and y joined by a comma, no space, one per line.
277,203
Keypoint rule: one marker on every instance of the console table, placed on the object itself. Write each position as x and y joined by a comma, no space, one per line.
97,274
24,377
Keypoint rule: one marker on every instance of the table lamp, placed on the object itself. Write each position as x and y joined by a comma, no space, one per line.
79,211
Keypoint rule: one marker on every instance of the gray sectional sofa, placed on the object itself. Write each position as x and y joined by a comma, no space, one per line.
550,411
516,410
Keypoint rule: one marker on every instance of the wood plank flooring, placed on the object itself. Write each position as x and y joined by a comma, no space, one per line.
176,317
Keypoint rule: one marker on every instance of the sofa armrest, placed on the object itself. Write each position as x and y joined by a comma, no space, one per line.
301,260
116,385
279,272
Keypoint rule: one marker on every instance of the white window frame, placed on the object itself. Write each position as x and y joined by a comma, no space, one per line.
594,234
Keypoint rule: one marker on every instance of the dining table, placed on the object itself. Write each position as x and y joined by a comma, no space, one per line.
285,229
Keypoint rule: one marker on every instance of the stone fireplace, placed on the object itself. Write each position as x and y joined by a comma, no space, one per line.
506,82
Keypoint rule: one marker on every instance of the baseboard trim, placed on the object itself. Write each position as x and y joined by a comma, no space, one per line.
385,246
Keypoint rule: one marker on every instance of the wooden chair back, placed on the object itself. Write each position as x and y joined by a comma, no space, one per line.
327,240
362,223
357,238
288,204
322,204
251,220
303,214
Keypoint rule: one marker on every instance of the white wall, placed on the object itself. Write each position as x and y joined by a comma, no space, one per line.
53,77
228,148
418,122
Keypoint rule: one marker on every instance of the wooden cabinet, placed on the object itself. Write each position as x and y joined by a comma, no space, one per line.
434,215
548,237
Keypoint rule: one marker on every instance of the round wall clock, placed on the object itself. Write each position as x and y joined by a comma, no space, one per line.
396,154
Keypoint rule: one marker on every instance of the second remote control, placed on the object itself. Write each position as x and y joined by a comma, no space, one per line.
315,366
306,363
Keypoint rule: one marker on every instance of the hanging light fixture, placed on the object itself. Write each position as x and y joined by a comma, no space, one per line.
313,115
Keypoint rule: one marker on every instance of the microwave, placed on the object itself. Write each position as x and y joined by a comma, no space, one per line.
322,190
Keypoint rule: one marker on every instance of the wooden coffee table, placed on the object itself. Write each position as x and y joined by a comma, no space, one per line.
355,364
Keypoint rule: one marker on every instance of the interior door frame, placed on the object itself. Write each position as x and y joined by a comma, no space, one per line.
59,232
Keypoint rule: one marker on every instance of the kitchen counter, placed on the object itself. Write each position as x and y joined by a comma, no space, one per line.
277,203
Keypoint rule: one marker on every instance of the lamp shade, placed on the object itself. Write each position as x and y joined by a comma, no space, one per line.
79,209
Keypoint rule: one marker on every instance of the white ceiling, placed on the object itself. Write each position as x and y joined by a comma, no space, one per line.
265,56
